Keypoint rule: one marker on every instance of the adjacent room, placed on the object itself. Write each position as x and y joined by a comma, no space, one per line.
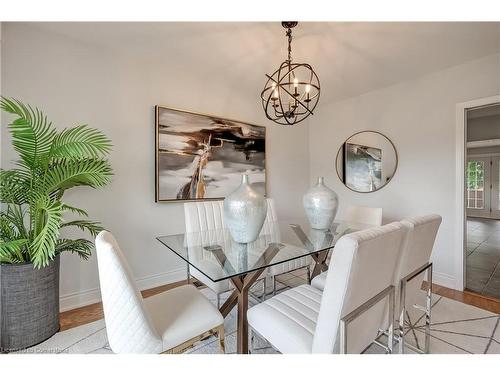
483,200
250,187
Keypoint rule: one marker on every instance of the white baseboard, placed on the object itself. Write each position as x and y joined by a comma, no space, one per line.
445,280
87,297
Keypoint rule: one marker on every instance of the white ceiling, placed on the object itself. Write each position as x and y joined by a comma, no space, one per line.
349,58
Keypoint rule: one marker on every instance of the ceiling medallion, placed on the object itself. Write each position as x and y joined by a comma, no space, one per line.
292,92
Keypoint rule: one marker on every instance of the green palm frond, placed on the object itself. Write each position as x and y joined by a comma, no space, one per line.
14,186
80,246
32,134
12,251
7,230
66,174
47,217
80,142
49,163
93,227
75,210
15,215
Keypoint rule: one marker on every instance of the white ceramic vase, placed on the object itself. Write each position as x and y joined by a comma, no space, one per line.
321,204
245,212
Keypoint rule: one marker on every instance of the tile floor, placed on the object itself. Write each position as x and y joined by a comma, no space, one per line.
483,256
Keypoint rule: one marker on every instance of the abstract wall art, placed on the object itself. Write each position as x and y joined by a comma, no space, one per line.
363,167
203,157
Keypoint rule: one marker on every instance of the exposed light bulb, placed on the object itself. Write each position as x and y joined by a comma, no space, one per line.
295,82
308,88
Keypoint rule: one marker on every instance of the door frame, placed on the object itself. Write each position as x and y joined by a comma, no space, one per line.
461,160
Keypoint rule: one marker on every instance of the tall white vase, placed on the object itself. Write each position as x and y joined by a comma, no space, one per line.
321,204
245,212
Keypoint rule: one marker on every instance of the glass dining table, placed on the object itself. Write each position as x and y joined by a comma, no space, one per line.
218,257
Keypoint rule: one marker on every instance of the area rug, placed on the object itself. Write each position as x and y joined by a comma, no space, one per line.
456,328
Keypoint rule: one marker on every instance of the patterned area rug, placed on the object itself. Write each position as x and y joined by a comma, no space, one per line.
456,328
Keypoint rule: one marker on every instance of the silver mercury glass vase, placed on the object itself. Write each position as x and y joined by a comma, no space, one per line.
245,212
321,204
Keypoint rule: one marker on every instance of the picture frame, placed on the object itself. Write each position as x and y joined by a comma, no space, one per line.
202,157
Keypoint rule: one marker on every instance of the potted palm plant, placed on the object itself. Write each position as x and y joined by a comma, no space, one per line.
33,214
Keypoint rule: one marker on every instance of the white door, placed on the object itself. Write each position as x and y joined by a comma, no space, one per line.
478,197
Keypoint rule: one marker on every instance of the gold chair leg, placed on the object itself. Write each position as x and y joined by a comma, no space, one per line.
218,331
222,342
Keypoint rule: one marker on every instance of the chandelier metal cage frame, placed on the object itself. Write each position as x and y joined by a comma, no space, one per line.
282,100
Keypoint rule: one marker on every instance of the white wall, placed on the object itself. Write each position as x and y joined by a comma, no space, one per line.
419,117
75,82
80,83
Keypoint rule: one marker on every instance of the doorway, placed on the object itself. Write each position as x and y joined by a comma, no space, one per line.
483,186
482,200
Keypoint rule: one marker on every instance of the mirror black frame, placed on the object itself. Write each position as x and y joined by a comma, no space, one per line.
341,149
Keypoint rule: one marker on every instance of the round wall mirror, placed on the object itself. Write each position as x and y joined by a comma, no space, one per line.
366,161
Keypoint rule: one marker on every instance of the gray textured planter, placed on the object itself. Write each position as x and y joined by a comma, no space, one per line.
29,304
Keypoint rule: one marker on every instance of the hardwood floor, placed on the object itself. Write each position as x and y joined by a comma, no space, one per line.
470,298
87,314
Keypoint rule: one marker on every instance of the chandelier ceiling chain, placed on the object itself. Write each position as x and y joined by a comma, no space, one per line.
289,35
292,92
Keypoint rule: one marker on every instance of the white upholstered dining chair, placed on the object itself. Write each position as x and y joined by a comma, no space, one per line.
307,320
168,322
354,215
364,215
207,216
289,266
415,262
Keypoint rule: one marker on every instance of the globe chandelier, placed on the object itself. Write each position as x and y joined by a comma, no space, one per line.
292,92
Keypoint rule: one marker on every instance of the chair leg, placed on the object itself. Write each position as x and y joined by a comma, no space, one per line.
264,287
222,339
402,314
274,285
428,311
308,269
390,336
252,340
218,300
188,275
347,319
183,347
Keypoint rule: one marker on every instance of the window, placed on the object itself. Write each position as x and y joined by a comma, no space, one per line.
475,184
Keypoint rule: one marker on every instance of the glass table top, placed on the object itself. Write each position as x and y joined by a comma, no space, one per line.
217,256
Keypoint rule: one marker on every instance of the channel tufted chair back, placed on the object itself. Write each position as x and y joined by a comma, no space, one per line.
363,264
207,217
128,325
422,232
